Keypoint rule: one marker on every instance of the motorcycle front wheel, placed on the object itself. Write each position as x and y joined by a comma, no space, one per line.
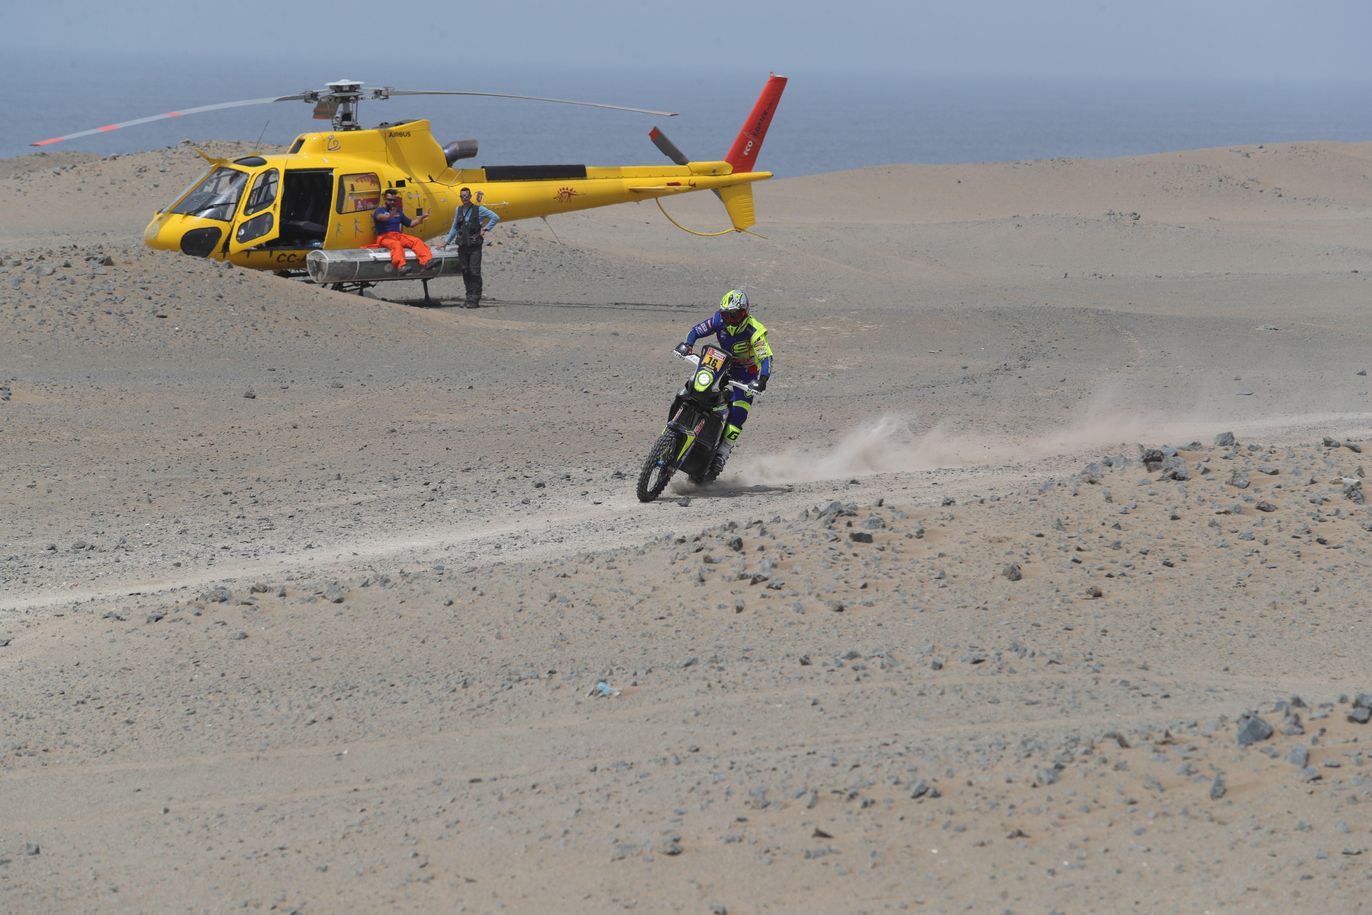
657,468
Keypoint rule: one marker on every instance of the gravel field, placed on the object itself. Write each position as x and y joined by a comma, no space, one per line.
1037,583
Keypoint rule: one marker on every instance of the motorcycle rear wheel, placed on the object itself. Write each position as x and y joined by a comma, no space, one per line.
657,468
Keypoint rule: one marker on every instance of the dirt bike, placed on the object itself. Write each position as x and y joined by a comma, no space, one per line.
695,425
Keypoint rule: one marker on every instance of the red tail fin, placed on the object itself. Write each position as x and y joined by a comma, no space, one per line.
743,155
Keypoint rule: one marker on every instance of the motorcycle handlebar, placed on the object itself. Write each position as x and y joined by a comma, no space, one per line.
694,359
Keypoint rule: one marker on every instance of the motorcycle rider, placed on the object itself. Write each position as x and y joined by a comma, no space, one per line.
744,338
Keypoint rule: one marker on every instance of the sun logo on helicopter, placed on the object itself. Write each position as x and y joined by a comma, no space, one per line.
567,193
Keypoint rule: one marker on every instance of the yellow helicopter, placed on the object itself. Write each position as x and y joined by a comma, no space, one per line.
269,212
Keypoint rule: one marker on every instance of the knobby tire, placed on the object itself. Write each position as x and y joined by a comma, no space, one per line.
657,468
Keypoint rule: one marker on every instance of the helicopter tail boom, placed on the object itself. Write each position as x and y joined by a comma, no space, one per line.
743,154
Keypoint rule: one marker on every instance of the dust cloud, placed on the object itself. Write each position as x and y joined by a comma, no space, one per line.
896,443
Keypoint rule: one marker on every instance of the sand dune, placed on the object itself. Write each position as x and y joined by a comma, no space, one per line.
305,596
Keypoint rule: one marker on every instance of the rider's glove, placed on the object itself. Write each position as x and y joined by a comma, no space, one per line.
761,383
683,349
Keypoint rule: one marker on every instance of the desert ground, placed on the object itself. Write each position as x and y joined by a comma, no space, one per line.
1038,581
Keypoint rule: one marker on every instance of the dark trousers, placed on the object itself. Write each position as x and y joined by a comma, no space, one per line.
469,262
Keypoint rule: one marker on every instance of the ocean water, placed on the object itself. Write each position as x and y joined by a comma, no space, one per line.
826,122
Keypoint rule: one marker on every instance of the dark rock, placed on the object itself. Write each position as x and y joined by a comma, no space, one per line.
1012,572
859,536
1218,787
1174,468
1253,729
1225,440
1299,756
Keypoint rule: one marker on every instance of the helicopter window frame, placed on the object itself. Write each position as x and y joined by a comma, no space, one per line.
255,228
265,190
220,190
361,190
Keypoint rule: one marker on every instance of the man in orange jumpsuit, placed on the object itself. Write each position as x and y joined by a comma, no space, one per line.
390,218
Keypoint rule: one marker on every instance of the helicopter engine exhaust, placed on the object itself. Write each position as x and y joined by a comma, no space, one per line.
459,149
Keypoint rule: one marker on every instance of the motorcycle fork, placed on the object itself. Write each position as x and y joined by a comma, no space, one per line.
690,439
688,435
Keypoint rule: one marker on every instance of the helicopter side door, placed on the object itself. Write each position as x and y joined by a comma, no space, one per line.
358,195
260,221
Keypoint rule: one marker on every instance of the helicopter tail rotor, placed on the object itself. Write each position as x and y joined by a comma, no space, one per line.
669,149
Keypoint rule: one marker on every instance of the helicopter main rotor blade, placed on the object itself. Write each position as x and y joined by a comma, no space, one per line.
168,114
530,98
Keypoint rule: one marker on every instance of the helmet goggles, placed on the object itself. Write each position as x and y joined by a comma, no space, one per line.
733,308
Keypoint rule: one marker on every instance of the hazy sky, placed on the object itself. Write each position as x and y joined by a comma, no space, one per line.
1245,39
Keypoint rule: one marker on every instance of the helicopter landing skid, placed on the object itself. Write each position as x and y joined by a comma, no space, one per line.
360,288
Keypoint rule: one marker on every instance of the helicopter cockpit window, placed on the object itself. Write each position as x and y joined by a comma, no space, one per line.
263,192
358,192
216,197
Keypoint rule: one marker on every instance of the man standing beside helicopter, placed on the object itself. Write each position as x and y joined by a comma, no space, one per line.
390,218
471,222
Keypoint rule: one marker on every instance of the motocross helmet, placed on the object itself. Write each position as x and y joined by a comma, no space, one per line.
733,308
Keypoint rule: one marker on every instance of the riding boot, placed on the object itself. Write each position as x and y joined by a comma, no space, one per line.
722,453
474,291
